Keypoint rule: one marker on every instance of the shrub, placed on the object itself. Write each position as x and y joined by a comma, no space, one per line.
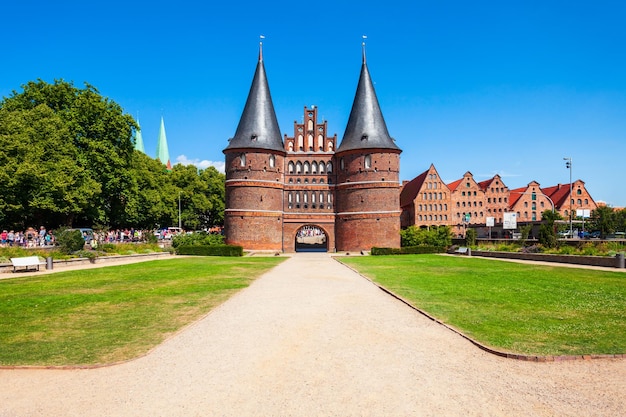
470,237
197,238
210,250
407,250
435,236
70,241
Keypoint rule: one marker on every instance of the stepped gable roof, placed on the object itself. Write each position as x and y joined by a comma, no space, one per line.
410,189
366,128
258,126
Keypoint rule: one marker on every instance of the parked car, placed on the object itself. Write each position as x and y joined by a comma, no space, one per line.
595,234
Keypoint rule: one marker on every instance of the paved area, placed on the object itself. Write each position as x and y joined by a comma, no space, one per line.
312,338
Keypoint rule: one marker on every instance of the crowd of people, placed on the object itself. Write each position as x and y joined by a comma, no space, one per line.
29,238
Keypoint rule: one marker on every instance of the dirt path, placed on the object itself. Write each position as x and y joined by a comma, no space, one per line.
312,338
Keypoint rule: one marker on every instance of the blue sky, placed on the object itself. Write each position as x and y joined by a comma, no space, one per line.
507,87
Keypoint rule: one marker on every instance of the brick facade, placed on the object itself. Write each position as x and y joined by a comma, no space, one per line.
489,198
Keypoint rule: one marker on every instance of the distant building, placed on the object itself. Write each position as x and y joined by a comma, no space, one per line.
472,204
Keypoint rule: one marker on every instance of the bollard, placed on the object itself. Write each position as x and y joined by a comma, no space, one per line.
620,260
49,262
469,251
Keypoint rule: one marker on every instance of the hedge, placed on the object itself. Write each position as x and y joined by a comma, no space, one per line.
408,250
210,250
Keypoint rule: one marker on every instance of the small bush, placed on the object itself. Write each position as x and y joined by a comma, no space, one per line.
197,238
407,250
210,250
70,241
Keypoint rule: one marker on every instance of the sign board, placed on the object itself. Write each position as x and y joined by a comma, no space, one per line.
586,213
490,221
509,221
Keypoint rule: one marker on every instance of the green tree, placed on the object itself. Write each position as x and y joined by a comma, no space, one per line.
603,219
547,230
435,236
57,133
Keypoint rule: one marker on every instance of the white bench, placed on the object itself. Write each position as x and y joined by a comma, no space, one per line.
27,261
462,250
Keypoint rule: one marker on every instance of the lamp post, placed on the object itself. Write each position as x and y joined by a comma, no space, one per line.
568,165
179,219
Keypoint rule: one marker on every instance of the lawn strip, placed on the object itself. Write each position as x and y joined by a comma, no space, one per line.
517,308
114,313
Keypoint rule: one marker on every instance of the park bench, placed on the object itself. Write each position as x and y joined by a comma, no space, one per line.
27,262
461,250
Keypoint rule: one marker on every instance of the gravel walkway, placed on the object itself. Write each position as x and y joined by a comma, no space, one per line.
312,338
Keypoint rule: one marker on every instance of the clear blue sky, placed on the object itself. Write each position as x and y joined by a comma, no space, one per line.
507,87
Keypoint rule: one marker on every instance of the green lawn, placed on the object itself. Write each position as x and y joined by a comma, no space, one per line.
115,313
513,307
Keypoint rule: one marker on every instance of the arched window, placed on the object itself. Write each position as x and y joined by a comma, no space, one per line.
310,125
342,164
242,160
310,141
313,167
330,146
579,202
300,142
298,167
320,142
298,198
291,167
272,161
290,146
313,198
368,161
307,167
322,167
329,167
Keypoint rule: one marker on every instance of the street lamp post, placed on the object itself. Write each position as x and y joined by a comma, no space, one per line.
568,165
179,219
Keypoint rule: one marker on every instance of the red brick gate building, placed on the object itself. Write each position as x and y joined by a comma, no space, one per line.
279,194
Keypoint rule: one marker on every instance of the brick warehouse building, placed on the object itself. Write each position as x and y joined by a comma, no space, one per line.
279,193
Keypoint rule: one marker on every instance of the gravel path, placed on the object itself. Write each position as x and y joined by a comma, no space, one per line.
312,338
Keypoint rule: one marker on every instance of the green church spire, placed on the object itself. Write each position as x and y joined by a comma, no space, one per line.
163,154
139,139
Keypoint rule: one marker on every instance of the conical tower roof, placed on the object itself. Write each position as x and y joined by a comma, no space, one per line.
258,126
366,126
163,153
139,139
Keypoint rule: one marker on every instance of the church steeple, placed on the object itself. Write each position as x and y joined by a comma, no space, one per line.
366,126
139,139
258,126
163,153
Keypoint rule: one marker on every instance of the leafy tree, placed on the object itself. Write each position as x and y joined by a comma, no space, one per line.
470,237
547,230
435,236
603,219
73,146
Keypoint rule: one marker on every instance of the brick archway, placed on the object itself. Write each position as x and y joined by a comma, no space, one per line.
311,238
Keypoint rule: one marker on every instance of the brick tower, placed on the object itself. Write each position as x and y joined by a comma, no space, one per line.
368,185
254,172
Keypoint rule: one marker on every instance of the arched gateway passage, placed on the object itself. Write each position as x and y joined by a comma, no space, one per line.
311,238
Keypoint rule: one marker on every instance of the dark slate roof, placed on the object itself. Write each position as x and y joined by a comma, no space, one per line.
258,126
366,127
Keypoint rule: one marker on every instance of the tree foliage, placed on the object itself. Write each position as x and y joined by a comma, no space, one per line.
435,236
547,230
67,158
607,220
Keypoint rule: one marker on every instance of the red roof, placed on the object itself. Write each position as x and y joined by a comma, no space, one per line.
557,193
452,186
410,189
515,195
